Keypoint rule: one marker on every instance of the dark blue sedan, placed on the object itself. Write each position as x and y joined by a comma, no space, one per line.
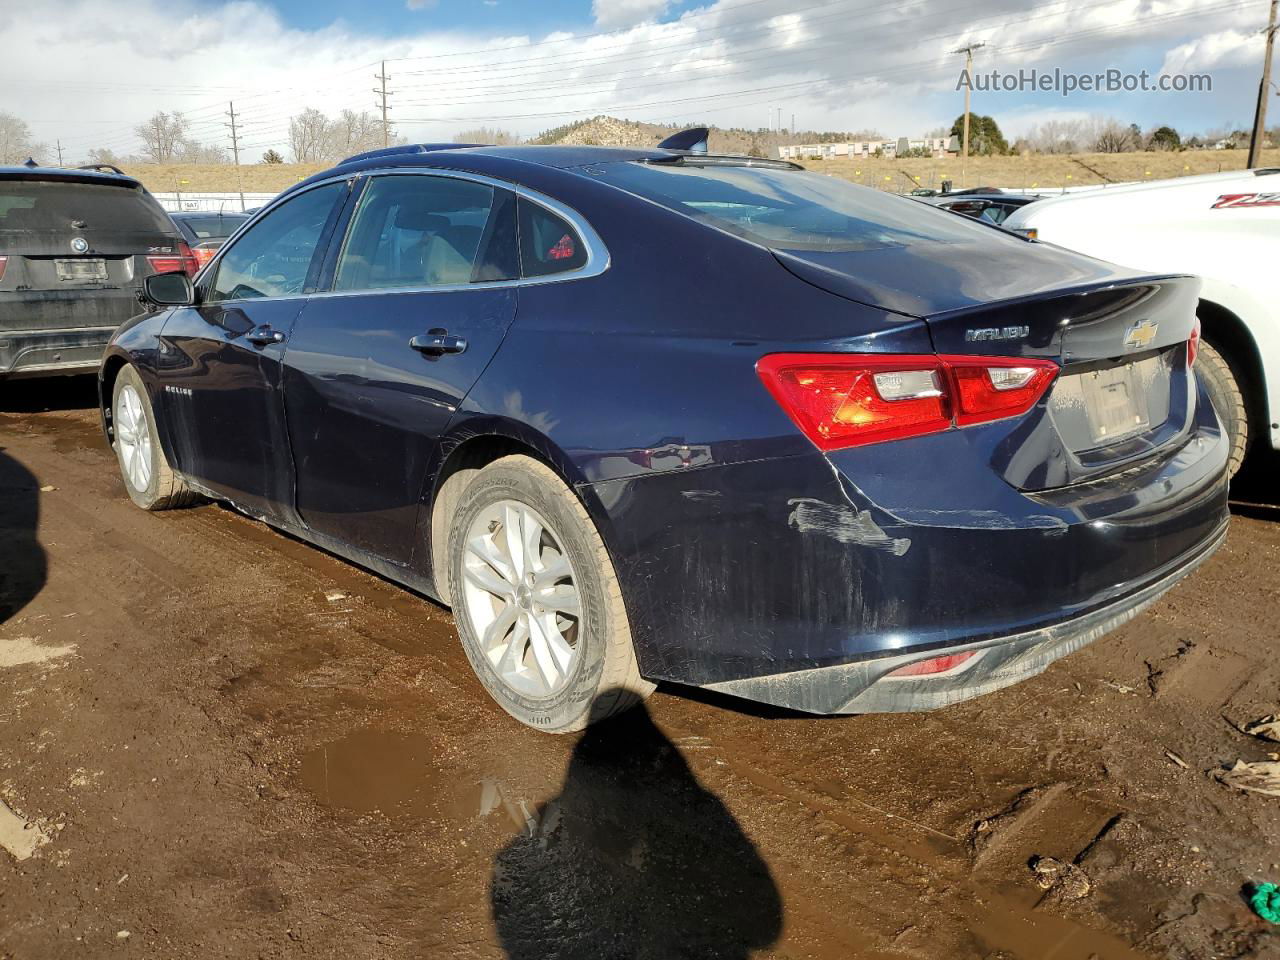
644,415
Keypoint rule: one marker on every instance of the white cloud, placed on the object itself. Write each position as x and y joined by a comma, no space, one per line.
626,13
419,4
1226,48
839,66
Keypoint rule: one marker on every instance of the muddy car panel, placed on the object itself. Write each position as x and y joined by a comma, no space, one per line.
75,247
751,561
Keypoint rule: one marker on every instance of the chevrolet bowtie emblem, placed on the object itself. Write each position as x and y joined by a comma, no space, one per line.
1140,334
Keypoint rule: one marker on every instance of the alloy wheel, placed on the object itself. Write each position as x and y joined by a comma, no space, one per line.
133,438
521,596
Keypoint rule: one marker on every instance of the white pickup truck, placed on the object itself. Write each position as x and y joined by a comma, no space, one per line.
1222,227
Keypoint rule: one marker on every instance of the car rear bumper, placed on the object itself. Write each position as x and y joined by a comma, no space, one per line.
867,687
36,353
745,577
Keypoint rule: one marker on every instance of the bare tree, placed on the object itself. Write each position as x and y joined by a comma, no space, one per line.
1111,136
353,133
103,155
192,151
309,136
15,141
162,136
494,135
1060,136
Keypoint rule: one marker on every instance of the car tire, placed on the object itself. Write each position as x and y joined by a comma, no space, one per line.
1223,386
149,480
514,600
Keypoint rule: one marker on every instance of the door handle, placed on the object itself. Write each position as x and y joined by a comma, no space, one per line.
264,335
438,342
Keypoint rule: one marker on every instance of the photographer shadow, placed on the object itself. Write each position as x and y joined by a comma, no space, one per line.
22,560
633,859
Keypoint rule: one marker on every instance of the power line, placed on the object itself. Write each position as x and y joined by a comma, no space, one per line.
235,150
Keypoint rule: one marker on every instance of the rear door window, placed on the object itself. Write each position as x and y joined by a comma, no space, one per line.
548,244
413,231
273,258
45,205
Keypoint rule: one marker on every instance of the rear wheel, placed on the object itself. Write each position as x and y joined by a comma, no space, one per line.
536,600
1224,387
148,478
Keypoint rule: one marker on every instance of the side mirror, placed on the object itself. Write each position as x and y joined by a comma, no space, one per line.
169,290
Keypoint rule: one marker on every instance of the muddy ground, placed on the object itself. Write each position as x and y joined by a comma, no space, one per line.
224,743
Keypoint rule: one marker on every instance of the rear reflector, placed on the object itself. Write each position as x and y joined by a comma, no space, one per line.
1193,342
4,262
935,665
848,399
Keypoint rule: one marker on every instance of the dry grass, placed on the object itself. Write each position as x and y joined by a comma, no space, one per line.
221,177
1040,172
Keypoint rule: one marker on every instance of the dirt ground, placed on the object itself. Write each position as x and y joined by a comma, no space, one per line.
216,741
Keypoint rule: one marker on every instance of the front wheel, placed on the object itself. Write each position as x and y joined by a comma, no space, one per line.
1224,388
149,480
538,606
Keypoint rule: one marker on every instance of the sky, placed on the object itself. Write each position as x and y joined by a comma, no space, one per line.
86,72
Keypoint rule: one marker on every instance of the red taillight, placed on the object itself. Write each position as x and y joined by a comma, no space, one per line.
183,260
4,262
1193,342
935,665
845,400
992,388
203,255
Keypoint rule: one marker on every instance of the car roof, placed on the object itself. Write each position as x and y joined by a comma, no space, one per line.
205,214
67,175
477,158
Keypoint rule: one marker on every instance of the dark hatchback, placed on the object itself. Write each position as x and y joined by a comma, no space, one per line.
75,247
644,415
207,230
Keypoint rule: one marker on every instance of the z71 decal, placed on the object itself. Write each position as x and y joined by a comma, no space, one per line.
1247,200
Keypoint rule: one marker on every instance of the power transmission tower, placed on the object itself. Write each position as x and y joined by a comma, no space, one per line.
235,149
382,92
968,88
1260,116
59,152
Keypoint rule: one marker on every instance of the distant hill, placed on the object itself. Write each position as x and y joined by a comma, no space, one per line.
605,131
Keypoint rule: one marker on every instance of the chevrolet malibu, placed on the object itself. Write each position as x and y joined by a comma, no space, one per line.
651,414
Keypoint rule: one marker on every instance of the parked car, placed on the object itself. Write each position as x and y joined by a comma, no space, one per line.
1226,228
644,415
206,231
75,247
991,207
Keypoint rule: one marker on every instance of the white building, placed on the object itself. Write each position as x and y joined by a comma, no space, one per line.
934,146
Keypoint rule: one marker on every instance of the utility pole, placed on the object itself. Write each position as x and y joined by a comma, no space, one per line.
1264,90
235,149
59,151
382,92
968,88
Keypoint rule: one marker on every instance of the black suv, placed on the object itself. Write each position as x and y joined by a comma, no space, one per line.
75,246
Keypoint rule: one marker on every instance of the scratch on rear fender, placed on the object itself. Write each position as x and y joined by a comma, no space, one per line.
844,525
980,520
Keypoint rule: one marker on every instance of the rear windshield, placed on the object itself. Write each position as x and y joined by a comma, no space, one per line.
212,228
27,205
791,209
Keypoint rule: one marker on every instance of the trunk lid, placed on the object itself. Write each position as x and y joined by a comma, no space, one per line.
75,249
1124,393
